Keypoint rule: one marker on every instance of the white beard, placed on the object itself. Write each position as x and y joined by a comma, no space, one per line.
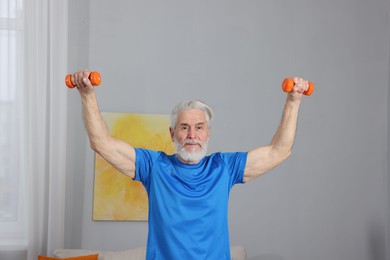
191,156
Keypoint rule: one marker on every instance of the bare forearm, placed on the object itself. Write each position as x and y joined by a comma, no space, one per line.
96,127
284,137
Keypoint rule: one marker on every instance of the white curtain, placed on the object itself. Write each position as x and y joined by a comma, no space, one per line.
46,97
37,123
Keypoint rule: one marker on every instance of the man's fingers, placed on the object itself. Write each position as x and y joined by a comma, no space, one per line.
81,79
301,85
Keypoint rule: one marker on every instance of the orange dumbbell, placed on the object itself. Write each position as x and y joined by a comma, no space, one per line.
288,85
94,77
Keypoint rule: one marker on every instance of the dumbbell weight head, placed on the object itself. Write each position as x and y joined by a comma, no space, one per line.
288,85
94,77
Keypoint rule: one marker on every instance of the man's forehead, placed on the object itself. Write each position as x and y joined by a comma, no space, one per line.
192,116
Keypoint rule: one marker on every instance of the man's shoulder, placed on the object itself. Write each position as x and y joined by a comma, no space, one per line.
227,155
152,154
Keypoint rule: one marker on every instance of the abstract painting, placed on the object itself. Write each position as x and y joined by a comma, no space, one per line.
116,196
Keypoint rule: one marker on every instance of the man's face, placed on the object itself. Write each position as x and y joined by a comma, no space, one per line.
191,135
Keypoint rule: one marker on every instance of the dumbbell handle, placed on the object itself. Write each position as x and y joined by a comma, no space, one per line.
288,85
94,77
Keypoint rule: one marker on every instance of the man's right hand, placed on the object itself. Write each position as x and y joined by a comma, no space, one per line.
81,81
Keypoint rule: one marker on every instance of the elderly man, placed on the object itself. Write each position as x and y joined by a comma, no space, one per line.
188,191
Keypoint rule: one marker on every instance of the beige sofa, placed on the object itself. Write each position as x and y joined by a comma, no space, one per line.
237,253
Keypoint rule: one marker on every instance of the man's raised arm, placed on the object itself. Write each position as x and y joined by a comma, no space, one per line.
262,159
118,153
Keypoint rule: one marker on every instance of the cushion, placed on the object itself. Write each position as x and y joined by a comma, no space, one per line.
63,253
237,253
84,257
130,254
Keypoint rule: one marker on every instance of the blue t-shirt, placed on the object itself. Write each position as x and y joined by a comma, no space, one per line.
188,203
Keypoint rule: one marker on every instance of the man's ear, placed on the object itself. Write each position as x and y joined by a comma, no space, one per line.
172,133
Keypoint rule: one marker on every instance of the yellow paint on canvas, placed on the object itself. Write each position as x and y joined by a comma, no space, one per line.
116,196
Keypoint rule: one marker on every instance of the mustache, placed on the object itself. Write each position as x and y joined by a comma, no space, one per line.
187,141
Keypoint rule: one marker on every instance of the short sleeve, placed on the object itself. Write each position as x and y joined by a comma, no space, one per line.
236,163
144,160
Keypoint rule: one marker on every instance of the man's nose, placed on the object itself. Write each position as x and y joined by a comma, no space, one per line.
191,133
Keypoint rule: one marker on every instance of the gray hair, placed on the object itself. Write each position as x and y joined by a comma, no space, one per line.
191,104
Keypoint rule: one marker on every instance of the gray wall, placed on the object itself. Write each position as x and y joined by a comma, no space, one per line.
329,201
